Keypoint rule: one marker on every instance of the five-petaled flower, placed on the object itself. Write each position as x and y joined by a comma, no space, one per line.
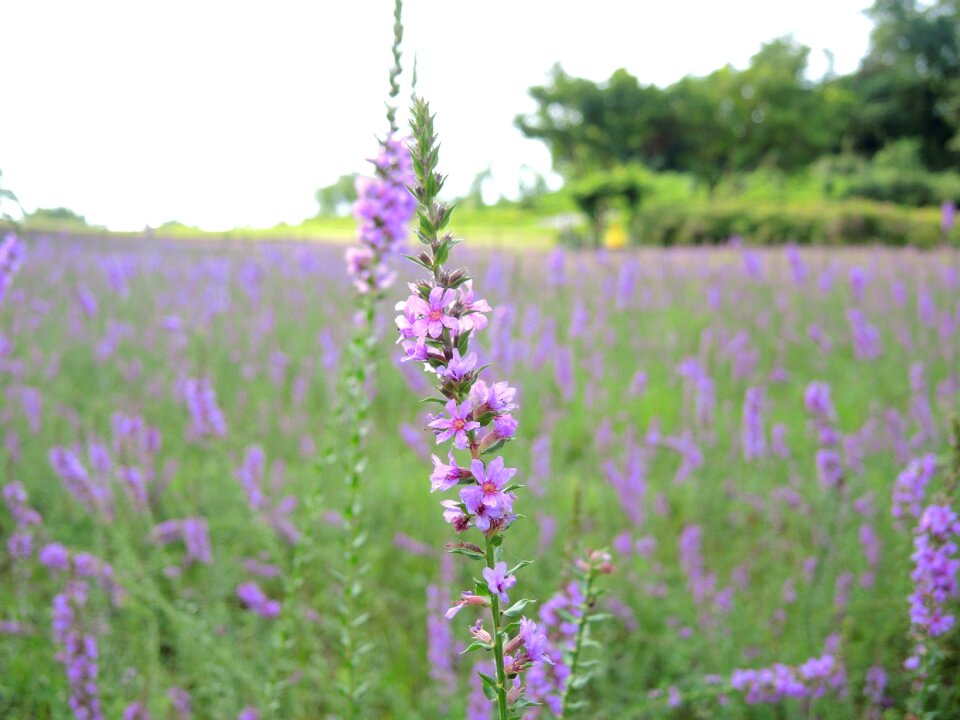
489,488
431,314
457,426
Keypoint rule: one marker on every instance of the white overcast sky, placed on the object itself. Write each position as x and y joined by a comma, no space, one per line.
224,114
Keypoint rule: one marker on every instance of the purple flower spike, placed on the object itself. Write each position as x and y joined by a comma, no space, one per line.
457,426
382,210
11,257
948,216
498,581
257,601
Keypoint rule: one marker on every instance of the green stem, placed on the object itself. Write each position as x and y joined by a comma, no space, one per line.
359,402
818,571
953,475
396,69
578,644
497,639
139,584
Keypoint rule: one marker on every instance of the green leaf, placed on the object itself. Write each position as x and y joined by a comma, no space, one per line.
599,617
440,256
445,218
419,262
519,566
485,418
463,342
496,446
466,552
489,686
525,702
517,608
476,645
579,681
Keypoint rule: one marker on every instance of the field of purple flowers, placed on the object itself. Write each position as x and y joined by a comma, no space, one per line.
753,435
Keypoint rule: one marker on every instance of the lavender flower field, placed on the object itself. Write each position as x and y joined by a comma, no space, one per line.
749,433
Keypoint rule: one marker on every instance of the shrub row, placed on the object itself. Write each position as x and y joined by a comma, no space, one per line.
918,189
846,222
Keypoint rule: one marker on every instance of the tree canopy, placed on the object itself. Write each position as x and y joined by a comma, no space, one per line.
768,114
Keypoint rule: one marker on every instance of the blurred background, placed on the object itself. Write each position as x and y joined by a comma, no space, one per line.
603,122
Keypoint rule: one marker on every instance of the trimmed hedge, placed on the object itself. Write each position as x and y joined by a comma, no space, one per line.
919,189
847,222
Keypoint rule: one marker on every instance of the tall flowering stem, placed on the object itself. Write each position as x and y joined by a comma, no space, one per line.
384,207
596,564
566,618
383,211
397,68
438,321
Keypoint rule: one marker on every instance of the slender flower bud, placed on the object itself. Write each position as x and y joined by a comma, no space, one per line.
483,636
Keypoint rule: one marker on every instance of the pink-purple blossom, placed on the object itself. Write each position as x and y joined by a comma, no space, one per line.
498,581
457,425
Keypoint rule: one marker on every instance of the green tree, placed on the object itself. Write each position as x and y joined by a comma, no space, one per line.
474,196
589,126
768,115
622,188
787,121
57,216
909,83
7,198
711,121
337,198
532,185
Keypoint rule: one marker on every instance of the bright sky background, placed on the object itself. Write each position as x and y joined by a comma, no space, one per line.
224,114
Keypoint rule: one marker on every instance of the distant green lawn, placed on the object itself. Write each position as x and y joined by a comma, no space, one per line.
537,223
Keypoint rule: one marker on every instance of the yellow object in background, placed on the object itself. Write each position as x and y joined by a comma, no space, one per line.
616,236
